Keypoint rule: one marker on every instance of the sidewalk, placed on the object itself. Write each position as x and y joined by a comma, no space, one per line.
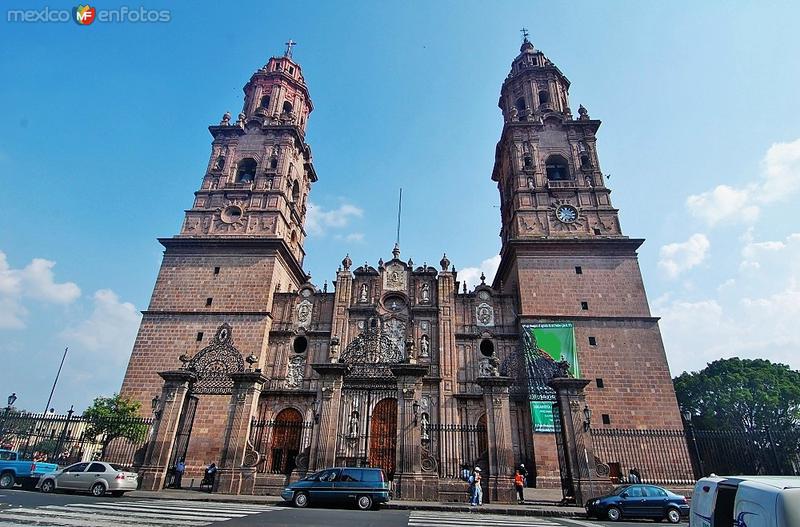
534,508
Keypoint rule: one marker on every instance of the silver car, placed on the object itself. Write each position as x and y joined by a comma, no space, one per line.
97,477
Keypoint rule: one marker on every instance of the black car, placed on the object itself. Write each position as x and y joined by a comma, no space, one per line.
367,487
639,501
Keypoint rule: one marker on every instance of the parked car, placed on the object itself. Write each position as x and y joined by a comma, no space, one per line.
14,469
366,486
766,501
97,477
639,501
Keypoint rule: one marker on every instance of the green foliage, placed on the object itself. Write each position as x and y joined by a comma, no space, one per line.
741,394
114,417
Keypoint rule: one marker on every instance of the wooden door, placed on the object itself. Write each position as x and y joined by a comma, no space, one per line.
383,436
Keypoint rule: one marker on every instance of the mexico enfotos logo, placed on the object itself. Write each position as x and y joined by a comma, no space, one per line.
85,15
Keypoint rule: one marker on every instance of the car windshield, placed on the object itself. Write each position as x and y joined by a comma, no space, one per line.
311,477
619,490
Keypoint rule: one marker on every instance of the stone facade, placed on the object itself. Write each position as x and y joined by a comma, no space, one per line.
398,357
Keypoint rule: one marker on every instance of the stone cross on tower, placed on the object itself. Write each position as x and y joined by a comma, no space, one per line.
289,46
524,32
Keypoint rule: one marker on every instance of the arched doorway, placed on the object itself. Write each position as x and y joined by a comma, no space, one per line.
285,444
383,436
483,436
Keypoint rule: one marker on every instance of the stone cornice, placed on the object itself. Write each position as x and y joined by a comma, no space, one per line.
227,245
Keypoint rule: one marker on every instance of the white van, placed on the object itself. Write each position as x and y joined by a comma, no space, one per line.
746,501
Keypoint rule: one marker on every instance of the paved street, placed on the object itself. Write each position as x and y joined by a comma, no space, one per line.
74,510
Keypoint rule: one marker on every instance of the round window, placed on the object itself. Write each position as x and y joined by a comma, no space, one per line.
300,344
487,348
232,214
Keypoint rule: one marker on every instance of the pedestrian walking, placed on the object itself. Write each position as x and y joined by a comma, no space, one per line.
519,485
477,491
633,476
180,468
524,472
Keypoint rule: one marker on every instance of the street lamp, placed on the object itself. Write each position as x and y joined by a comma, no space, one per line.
587,417
687,419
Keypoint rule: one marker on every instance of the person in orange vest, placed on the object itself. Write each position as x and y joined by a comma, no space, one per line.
519,485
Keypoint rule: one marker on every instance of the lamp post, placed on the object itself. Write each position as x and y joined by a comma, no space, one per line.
11,400
587,418
687,419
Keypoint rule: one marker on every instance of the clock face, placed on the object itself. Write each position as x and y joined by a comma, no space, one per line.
566,213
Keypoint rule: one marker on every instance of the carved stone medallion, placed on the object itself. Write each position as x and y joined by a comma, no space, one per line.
394,277
304,310
484,314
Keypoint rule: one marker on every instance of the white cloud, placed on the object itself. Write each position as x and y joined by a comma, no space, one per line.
111,328
35,281
472,275
319,220
779,181
353,237
675,258
724,203
752,316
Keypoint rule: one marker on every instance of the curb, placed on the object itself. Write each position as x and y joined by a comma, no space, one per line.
392,505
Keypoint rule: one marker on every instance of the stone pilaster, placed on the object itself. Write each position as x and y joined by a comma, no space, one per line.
578,446
238,459
500,484
329,396
173,397
410,483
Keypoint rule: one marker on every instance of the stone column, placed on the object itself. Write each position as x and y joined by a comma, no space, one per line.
500,485
173,396
238,459
329,397
578,446
409,481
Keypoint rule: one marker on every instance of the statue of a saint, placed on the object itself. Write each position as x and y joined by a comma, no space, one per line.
426,292
352,431
364,296
424,346
424,424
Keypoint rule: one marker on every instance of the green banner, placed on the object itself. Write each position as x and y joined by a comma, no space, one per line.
557,340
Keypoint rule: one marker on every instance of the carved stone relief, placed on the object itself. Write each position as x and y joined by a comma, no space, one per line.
304,311
484,314
394,277
295,372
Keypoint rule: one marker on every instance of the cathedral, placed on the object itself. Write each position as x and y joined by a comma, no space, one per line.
248,364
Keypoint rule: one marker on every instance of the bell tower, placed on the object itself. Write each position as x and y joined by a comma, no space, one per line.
564,258
547,168
260,171
240,244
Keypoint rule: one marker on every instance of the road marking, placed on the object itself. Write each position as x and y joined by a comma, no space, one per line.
143,513
579,522
424,519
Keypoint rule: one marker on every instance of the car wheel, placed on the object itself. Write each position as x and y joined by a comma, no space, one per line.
117,493
7,480
673,515
364,503
614,514
98,489
300,500
47,486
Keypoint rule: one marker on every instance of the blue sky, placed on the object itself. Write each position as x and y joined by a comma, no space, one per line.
105,140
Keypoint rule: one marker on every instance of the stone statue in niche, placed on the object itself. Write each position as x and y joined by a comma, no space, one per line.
424,347
352,429
410,350
334,349
424,424
426,293
364,295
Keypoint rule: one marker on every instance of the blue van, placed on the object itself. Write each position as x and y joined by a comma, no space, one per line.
366,486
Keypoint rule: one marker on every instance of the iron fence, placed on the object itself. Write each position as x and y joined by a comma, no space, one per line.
447,449
677,457
69,438
282,445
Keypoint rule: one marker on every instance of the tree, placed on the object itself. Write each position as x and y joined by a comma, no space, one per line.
114,417
741,394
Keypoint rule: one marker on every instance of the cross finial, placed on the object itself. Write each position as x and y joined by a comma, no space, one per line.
289,46
524,32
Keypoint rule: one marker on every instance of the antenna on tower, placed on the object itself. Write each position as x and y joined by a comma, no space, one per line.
399,209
